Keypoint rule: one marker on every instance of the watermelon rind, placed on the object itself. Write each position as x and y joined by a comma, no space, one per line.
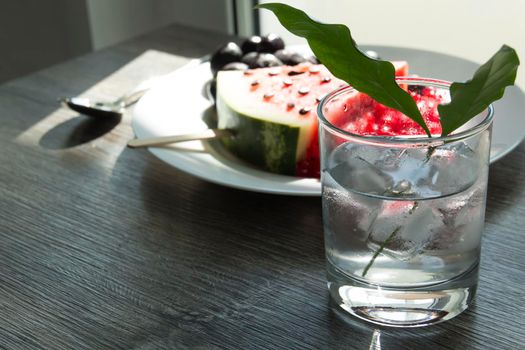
264,137
271,146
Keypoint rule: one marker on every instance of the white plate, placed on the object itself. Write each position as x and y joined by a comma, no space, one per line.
177,105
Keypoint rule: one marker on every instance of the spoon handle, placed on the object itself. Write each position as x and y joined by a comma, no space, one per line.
131,98
165,140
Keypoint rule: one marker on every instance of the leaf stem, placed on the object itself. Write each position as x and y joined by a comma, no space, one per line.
430,152
387,241
383,245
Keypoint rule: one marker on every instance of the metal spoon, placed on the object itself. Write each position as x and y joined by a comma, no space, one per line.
102,109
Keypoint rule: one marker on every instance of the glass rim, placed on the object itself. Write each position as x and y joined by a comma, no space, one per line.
405,139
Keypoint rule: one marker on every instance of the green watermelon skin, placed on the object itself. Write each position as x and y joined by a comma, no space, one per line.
270,146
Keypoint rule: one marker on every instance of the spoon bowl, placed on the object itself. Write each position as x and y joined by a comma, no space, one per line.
99,109
93,109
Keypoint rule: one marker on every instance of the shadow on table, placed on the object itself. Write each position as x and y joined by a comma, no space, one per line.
77,131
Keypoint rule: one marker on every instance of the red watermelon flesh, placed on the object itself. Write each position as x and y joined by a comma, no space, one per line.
362,115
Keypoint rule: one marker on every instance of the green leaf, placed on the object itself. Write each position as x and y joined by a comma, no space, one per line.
335,47
474,96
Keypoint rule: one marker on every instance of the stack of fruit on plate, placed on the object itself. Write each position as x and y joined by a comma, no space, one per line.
268,96
256,52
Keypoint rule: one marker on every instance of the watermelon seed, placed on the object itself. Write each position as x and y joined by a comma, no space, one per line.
304,110
255,82
293,72
326,80
247,72
345,108
290,105
268,95
304,90
314,69
273,72
319,98
287,82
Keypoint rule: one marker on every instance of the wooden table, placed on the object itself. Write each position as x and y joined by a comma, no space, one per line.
104,247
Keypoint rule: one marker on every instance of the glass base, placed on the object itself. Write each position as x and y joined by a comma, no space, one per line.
403,307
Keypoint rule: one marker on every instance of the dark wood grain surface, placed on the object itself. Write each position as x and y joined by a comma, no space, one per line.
103,247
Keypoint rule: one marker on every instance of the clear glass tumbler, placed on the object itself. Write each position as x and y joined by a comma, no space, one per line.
403,215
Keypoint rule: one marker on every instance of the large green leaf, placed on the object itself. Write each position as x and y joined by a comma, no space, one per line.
334,46
474,96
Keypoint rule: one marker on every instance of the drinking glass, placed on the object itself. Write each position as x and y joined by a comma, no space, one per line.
403,215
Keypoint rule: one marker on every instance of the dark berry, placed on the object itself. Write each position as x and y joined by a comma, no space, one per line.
212,90
251,44
235,66
289,58
267,60
313,59
296,59
284,55
292,58
250,59
271,43
231,52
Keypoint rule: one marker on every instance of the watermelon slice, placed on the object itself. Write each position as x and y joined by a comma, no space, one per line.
273,114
